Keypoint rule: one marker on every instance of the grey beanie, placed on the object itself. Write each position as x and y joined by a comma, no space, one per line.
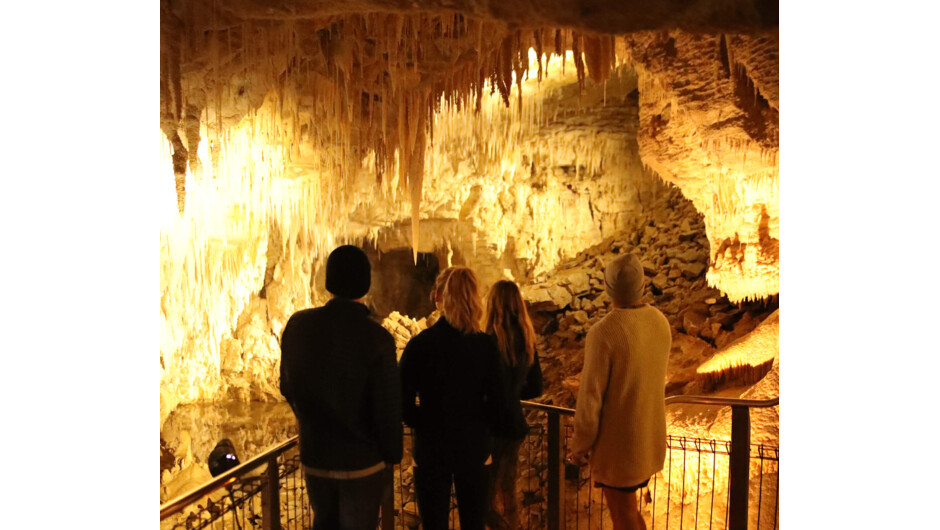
624,280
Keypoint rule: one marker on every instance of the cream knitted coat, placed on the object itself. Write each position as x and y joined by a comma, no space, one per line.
621,414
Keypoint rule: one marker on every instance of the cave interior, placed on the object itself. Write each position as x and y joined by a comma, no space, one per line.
531,141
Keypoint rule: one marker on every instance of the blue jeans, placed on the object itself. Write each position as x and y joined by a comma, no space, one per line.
350,504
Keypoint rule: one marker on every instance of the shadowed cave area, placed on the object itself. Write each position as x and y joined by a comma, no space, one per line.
399,284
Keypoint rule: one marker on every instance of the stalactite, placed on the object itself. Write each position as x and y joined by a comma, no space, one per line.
416,177
538,35
576,48
381,92
594,58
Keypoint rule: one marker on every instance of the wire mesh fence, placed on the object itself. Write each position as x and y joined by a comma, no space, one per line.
240,504
691,492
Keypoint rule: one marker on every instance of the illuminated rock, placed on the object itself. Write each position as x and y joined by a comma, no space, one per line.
687,353
191,431
403,328
750,353
709,118
703,320
289,128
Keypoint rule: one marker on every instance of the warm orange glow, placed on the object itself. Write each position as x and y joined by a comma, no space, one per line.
757,348
283,183
450,134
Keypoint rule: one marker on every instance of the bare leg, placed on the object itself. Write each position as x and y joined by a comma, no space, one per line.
617,506
633,510
624,510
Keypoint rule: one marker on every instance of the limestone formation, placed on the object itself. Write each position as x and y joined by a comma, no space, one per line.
191,432
403,328
709,115
508,136
540,210
749,355
530,140
707,327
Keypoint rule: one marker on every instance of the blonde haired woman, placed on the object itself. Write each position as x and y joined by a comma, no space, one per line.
437,294
455,397
507,320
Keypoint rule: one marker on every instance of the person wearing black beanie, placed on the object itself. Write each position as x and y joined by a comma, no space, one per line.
348,273
340,377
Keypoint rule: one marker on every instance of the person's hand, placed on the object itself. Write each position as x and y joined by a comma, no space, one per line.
579,460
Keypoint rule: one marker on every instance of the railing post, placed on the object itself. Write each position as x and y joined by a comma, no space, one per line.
739,467
271,498
556,483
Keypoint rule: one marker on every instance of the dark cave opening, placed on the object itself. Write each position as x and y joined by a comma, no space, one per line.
398,284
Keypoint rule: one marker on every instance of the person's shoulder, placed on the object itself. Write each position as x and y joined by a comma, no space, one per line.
420,344
480,337
369,323
375,330
604,323
429,335
657,316
483,342
304,315
606,331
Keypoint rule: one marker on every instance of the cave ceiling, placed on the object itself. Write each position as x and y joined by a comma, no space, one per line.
351,87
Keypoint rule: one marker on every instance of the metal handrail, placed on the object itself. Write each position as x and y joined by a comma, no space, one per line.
177,504
731,402
548,408
671,400
739,453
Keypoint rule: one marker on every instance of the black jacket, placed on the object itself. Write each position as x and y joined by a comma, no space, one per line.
463,396
339,375
525,380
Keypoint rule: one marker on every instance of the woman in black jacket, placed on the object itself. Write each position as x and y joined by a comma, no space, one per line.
508,322
455,397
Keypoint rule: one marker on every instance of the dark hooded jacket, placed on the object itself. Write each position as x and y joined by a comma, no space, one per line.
339,375
456,396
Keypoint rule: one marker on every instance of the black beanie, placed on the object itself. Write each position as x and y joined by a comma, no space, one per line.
348,274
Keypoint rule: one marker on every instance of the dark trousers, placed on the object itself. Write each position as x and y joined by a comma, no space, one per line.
502,489
350,504
432,487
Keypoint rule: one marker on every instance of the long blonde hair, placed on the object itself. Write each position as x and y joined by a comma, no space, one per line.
438,290
504,308
461,300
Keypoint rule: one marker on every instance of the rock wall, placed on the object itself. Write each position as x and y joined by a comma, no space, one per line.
543,192
565,302
289,135
709,119
269,120
670,242
669,239
343,87
192,431
564,185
